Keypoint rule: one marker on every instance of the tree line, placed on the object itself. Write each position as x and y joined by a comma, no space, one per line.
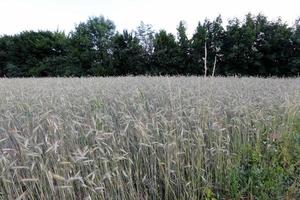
254,46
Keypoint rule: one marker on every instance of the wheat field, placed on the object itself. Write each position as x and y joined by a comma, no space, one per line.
150,138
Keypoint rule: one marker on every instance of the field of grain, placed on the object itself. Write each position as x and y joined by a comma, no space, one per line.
150,138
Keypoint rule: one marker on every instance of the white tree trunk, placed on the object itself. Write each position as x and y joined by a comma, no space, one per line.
215,63
205,60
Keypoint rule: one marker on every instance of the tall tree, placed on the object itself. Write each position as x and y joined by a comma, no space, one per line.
127,54
56,62
165,54
145,34
5,43
91,46
216,43
26,52
198,49
275,46
236,47
184,56
294,62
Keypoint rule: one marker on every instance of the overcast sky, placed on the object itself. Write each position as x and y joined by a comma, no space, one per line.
20,15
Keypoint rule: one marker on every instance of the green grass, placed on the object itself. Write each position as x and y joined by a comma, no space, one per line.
150,138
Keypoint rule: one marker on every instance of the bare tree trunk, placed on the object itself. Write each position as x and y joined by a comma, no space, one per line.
205,60
215,63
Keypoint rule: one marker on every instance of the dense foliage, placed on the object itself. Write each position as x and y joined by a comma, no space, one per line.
254,46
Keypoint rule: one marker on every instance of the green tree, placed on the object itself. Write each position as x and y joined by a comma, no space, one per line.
215,45
184,54
26,51
206,46
232,64
197,49
242,44
294,62
127,54
56,62
275,46
165,54
91,46
5,43
145,35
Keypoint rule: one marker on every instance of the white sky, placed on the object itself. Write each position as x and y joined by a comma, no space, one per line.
20,15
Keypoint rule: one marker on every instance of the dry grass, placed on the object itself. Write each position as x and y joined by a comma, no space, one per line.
147,138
